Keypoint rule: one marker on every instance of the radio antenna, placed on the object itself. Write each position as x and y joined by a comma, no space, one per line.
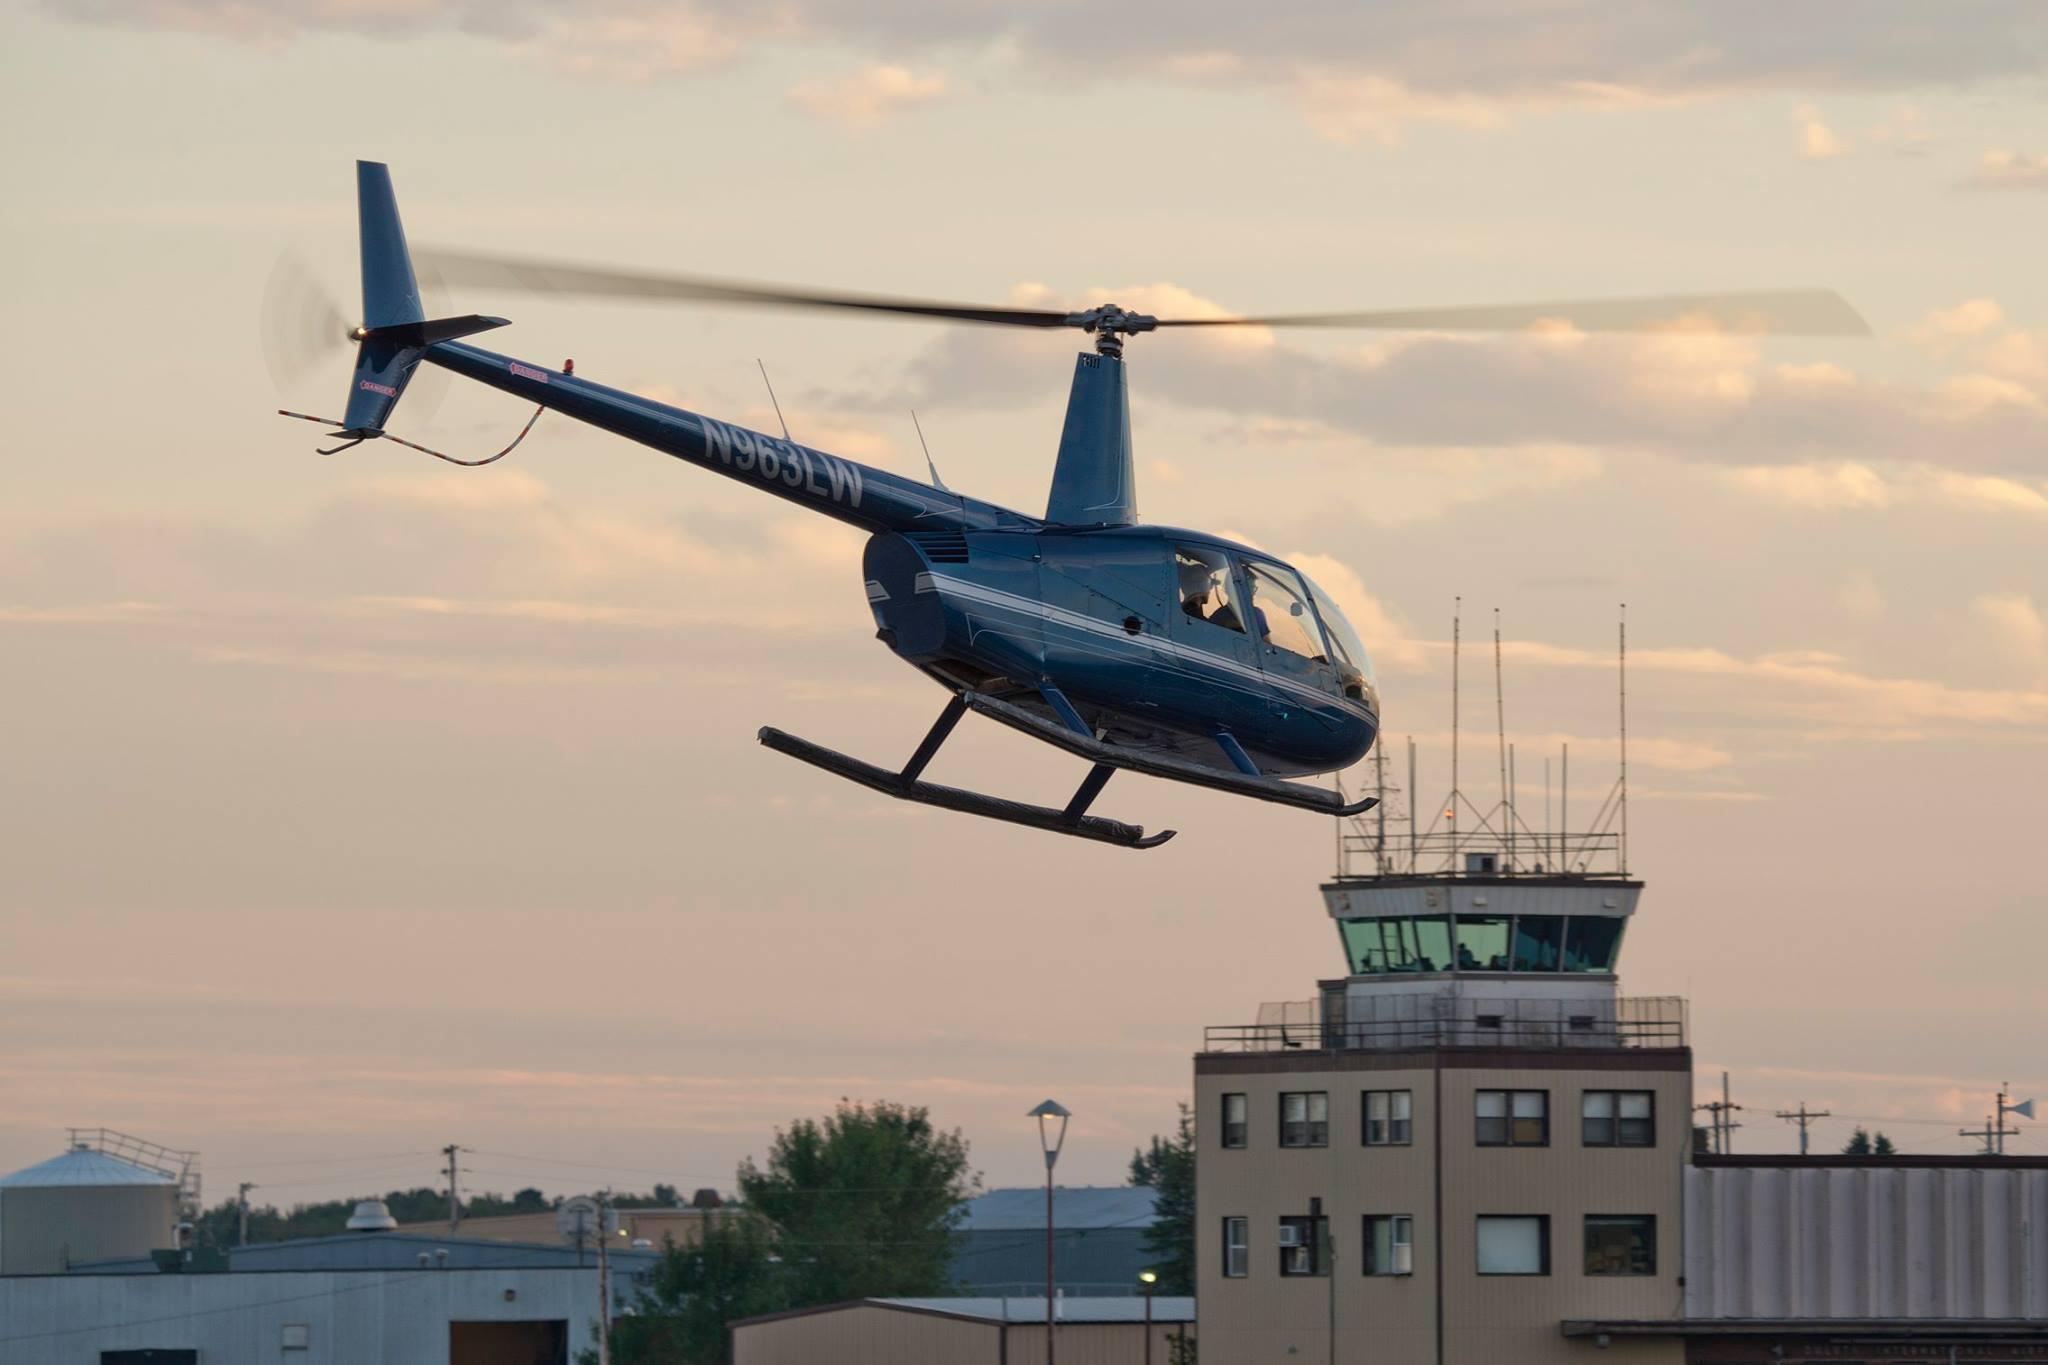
777,402
1623,640
1500,721
937,482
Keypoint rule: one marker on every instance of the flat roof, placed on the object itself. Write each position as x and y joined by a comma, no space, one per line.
1917,1161
1127,1308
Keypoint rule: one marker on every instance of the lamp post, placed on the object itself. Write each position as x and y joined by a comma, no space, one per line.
1148,1278
1050,1141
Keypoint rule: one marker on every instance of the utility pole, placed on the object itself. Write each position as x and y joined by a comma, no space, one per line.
1803,1116
454,1197
1988,1133
2025,1109
604,1283
242,1213
1724,1125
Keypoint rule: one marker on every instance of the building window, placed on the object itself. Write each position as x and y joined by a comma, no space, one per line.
1237,1255
1301,1245
1482,943
1618,1118
1389,1244
1512,1118
1389,1118
1514,1244
1234,1120
1305,1118
1621,1244
1591,942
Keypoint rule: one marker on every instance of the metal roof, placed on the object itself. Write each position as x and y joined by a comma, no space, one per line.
83,1166
1073,1206
1123,1308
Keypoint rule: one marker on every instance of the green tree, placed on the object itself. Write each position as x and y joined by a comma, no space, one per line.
864,1203
1168,1167
1863,1144
680,1316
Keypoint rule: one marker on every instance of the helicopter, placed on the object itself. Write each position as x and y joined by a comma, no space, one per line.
1164,651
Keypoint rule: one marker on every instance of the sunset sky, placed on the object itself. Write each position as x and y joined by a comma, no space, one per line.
351,807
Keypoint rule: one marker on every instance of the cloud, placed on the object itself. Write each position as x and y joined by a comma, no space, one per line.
1356,70
2003,170
1817,141
2017,631
1688,391
867,96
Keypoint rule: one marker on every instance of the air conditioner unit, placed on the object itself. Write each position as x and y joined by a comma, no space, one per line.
1404,1259
1290,1235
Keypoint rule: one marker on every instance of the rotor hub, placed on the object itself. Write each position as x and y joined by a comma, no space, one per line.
1109,324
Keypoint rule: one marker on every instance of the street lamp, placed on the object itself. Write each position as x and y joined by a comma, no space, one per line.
1050,1141
1148,1278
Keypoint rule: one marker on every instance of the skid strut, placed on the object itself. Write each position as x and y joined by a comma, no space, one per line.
905,785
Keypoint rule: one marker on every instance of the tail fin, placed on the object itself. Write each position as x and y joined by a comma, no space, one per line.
395,331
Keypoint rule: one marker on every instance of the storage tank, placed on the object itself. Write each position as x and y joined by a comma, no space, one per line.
85,1205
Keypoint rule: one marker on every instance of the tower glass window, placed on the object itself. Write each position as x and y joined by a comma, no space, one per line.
1590,943
1235,1121
1621,1244
1482,943
1280,612
1539,942
1389,1118
1305,1118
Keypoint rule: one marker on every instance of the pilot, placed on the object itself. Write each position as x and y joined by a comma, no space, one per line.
1197,582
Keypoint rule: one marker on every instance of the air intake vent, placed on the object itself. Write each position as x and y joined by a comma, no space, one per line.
941,547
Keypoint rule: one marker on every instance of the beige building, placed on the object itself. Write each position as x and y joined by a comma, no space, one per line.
967,1331
1466,1141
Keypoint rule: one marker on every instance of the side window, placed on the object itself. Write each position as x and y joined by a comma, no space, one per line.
1205,590
1280,612
1621,1244
1618,1118
1389,1118
1301,1245
1389,1244
1305,1118
1234,1120
1511,1118
1236,1248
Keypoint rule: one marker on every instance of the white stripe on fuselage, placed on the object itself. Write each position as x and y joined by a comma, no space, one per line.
1030,606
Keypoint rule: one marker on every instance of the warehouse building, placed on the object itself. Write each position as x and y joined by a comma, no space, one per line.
968,1331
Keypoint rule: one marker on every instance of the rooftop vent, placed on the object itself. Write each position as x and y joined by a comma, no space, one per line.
1481,864
371,1216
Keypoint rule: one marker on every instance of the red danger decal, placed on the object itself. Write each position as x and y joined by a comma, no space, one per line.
384,389
528,372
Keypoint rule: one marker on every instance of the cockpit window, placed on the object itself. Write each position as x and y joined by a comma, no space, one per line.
1280,609
1205,591
1354,668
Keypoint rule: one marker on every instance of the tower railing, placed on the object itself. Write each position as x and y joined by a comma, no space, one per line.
1656,1021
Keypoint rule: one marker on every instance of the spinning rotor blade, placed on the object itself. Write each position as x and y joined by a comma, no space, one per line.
1811,312
1786,312
557,277
300,323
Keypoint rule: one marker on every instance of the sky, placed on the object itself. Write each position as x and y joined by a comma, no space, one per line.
355,806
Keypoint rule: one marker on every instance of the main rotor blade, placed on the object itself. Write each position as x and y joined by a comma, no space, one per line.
559,277
1786,312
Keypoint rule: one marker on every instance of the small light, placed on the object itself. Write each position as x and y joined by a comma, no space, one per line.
1148,1277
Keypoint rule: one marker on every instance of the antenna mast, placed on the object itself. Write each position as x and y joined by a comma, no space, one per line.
1623,847
1500,721
1457,628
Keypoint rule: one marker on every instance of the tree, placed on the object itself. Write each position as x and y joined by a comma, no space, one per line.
680,1316
1863,1144
864,1203
1168,1168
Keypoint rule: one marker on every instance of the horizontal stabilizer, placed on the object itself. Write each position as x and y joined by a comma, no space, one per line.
423,334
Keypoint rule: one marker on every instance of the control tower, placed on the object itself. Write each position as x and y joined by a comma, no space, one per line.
1468,1137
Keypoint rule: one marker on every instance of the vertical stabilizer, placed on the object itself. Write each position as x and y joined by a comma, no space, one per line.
1093,483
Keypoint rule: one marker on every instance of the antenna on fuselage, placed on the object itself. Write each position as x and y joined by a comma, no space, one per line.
777,403
937,482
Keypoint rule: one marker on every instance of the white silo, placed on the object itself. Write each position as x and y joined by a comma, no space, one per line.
86,1205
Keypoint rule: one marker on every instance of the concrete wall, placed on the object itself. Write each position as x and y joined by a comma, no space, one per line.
397,1318
1866,1241
1268,1319
45,1228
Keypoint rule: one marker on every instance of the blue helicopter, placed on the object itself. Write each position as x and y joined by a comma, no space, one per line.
1170,652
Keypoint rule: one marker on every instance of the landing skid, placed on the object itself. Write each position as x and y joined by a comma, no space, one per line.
905,786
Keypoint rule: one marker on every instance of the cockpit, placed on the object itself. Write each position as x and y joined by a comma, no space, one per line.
1278,606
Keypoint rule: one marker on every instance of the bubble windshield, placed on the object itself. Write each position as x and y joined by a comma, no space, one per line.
1346,649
